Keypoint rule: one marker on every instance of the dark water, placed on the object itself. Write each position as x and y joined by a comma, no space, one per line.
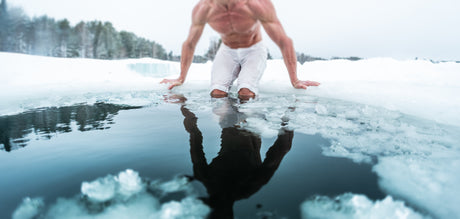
49,152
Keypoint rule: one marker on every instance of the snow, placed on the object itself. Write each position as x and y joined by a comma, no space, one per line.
419,88
400,116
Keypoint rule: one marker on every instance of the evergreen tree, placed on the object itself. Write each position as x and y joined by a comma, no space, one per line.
213,47
160,52
45,36
82,45
127,44
63,36
16,36
4,25
3,6
111,41
302,58
96,29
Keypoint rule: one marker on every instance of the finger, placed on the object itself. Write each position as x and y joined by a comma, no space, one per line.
301,86
171,86
313,83
164,81
310,83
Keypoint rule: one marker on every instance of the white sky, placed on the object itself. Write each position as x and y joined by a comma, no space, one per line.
402,29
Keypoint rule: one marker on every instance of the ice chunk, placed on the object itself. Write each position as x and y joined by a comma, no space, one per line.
356,206
154,68
129,183
187,208
179,184
100,190
126,184
431,184
123,196
29,208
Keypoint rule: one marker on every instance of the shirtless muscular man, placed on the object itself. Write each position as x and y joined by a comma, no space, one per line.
242,54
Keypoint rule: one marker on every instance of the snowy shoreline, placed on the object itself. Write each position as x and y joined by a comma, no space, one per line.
415,87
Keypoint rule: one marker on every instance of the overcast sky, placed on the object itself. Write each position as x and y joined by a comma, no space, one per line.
402,29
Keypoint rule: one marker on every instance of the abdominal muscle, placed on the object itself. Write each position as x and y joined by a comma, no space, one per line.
238,40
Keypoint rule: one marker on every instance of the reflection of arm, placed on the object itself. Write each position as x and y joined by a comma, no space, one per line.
274,157
280,148
196,143
271,163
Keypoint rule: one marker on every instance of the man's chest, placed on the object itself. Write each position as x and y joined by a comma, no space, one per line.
239,20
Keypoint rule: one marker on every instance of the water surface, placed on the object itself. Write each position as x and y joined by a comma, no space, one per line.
49,152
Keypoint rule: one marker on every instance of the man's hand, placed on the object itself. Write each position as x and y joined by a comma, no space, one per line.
172,82
304,84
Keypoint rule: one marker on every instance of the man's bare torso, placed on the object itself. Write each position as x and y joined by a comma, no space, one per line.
235,22
239,23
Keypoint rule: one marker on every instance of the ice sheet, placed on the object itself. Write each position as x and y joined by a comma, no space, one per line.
417,160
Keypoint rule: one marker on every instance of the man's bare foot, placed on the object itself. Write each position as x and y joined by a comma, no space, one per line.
218,93
246,94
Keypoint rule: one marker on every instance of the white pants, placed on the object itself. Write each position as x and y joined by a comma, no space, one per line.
246,64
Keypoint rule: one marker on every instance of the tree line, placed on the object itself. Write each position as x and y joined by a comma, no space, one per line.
49,37
94,39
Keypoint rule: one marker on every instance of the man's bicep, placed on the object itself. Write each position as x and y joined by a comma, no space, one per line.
198,23
275,31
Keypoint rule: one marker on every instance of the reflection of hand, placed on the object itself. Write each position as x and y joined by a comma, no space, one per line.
304,84
172,82
174,98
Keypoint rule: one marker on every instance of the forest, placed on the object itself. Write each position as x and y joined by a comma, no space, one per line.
46,36
58,38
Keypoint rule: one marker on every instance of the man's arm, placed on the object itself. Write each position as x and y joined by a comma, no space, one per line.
188,47
265,12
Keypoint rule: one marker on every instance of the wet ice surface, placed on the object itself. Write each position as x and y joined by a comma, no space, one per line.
65,169
415,160
398,118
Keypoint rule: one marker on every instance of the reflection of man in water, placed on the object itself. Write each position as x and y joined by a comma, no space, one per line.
242,54
238,171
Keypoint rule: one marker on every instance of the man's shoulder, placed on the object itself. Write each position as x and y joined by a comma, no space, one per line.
204,4
263,9
258,3
201,10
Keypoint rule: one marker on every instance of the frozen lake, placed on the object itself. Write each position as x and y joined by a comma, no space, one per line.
56,149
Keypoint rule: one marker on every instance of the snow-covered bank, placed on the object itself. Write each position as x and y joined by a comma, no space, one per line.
418,88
